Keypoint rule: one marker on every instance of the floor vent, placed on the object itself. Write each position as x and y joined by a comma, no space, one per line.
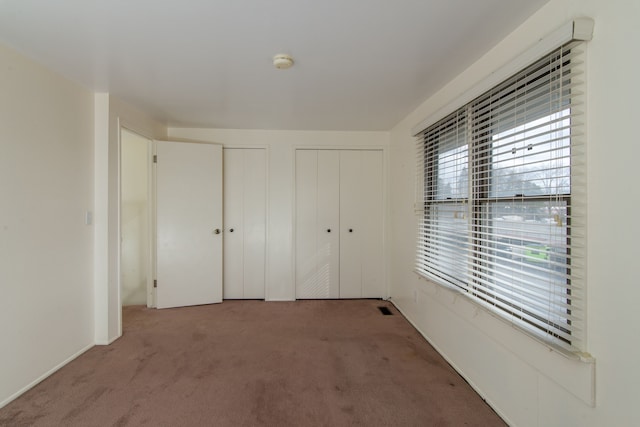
385,311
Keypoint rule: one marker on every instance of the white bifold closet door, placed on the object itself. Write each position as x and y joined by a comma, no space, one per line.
244,223
339,224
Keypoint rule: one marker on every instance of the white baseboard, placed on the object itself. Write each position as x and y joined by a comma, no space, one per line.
107,342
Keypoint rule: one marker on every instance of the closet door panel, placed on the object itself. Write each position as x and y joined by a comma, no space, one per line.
254,221
328,224
233,212
307,281
372,219
351,231
245,223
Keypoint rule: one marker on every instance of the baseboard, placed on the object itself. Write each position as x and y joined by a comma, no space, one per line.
109,341
43,377
452,364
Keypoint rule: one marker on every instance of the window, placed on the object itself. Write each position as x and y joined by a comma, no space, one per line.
501,199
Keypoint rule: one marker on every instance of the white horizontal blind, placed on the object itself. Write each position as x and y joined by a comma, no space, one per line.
501,199
443,165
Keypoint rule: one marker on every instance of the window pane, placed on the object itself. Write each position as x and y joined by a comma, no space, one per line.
525,259
447,242
453,173
532,159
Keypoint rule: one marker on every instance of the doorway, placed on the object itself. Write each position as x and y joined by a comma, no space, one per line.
135,219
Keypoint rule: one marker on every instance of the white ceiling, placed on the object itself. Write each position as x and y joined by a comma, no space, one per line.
359,64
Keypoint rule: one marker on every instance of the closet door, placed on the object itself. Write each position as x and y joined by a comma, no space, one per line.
317,224
361,224
245,223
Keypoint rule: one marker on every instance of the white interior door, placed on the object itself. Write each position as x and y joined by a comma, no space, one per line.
189,224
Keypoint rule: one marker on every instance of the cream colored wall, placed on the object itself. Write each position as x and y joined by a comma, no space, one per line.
281,147
134,218
46,249
528,384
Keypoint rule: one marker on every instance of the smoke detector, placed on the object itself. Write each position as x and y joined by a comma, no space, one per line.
282,61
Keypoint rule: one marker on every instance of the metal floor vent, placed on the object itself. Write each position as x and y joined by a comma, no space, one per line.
385,311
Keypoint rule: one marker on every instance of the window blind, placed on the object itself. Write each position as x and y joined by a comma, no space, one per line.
501,197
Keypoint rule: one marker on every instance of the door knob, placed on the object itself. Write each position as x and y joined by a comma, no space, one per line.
216,231
231,230
328,230
351,230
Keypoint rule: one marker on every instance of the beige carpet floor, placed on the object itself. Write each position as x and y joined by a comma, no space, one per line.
254,363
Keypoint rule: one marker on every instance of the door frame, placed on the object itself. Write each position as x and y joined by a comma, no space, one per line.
123,125
150,148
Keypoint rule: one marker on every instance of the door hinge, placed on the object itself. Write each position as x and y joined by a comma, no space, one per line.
155,158
155,283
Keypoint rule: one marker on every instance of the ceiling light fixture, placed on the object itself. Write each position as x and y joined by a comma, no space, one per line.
282,61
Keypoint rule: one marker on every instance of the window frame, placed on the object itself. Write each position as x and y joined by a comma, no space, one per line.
480,204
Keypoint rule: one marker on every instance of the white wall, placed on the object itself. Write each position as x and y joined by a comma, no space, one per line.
134,218
280,147
527,383
46,250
